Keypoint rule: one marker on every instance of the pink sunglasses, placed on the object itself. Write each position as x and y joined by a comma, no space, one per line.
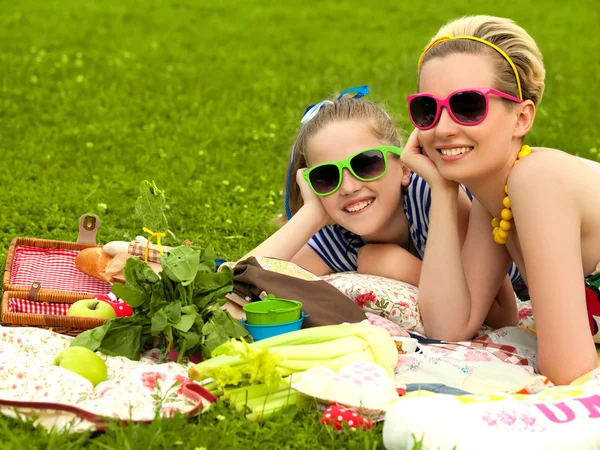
466,106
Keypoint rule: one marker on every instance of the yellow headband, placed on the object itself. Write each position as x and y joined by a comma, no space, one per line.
473,38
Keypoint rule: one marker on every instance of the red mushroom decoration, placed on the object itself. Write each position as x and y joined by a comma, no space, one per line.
336,415
121,308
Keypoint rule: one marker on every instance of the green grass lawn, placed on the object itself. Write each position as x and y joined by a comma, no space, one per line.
204,97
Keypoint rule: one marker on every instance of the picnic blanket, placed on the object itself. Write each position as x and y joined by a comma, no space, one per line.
497,367
459,392
559,417
138,391
31,387
501,360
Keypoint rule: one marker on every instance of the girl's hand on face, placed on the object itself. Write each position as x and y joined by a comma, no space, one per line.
417,161
312,200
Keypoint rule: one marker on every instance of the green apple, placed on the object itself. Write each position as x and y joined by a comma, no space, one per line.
92,308
83,362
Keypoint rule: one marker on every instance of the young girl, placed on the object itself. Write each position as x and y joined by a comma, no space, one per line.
480,81
347,186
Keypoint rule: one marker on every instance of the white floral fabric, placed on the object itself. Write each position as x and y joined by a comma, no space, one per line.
391,299
31,386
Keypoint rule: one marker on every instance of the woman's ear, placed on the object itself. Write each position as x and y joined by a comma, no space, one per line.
405,175
524,119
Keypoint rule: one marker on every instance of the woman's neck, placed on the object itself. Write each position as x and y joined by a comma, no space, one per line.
394,231
488,188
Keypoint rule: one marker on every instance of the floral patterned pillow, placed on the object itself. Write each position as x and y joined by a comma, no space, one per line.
392,299
397,301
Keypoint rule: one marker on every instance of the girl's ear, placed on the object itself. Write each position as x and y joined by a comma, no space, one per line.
405,175
524,119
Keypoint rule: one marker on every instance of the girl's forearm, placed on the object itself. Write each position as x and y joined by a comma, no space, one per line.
444,298
290,238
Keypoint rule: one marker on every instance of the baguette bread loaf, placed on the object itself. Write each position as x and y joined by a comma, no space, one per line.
97,263
92,261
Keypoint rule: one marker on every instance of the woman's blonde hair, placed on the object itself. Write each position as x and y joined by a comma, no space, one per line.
518,45
347,109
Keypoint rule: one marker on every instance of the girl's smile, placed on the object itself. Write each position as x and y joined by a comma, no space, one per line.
358,206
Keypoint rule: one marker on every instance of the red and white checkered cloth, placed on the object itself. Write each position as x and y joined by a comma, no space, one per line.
54,269
20,305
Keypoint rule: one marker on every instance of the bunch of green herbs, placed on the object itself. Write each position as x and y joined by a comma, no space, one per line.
180,309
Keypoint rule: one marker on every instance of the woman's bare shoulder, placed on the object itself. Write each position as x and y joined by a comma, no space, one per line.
552,163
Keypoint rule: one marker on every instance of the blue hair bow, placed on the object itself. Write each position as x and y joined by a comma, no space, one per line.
313,110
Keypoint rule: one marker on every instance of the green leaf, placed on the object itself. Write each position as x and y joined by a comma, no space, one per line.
173,312
208,282
92,339
208,258
230,326
212,341
123,341
140,274
208,328
182,293
189,309
220,328
192,341
203,303
158,299
131,295
185,323
199,322
121,336
159,322
181,264
140,281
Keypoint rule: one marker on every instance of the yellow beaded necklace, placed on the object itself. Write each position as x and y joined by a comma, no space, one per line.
503,226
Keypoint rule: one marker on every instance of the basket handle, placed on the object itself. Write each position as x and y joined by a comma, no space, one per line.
88,227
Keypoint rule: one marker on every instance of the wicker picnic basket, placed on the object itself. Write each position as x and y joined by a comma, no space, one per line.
44,296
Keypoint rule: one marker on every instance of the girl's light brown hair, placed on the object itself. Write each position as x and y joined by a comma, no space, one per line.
347,109
508,36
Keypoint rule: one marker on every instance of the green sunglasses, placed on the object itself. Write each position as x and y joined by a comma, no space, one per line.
366,165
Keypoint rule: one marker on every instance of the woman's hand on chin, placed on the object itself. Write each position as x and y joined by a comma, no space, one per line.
417,161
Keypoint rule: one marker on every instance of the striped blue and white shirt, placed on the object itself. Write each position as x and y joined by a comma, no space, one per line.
338,247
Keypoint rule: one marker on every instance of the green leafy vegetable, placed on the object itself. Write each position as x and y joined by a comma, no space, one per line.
179,310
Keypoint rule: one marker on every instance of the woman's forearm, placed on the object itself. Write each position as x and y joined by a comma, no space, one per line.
503,312
444,298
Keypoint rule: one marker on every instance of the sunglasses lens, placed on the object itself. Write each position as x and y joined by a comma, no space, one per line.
324,179
423,111
469,106
368,165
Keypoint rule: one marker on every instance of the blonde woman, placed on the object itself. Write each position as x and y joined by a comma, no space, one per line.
480,81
